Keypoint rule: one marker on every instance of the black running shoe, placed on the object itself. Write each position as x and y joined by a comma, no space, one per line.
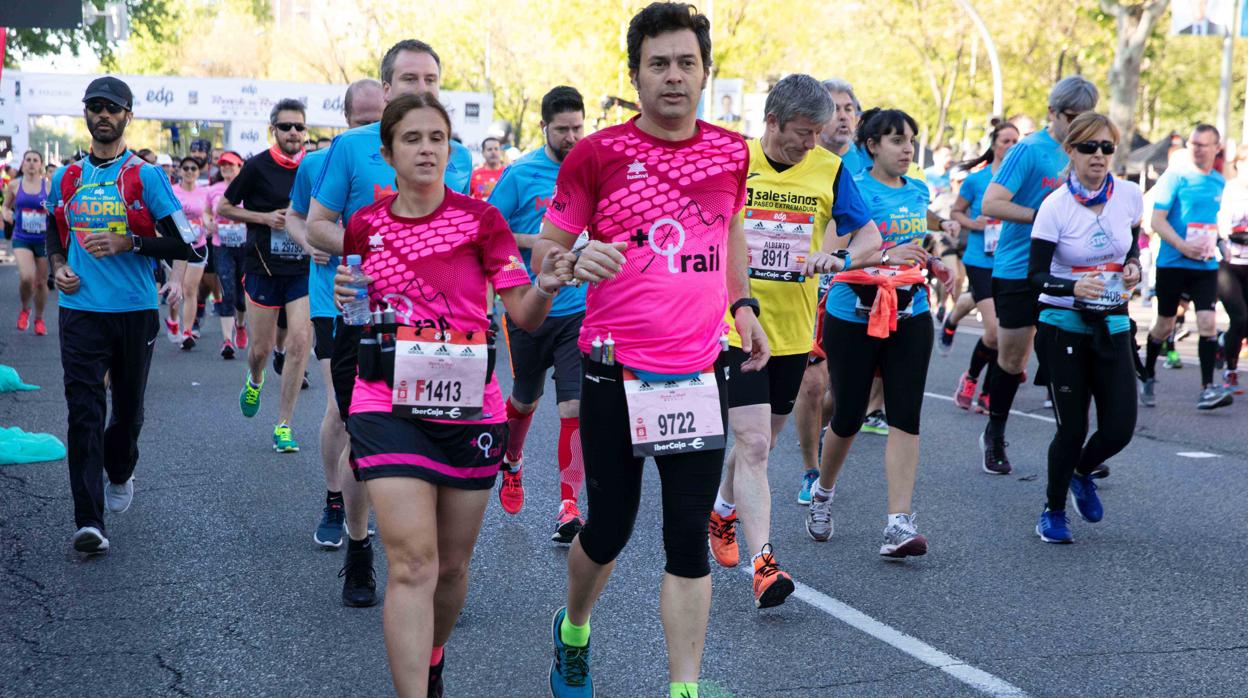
1100,472
306,383
435,678
279,360
995,460
359,586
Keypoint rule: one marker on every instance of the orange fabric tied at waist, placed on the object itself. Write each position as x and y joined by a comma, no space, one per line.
883,318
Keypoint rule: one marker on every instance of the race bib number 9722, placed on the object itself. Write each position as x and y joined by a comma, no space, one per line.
668,417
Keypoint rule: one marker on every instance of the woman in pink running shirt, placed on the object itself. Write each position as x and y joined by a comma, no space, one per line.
429,254
197,204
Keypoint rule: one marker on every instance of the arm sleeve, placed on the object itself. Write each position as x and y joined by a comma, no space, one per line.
168,242
52,231
849,210
499,253
1038,270
1014,169
52,238
576,190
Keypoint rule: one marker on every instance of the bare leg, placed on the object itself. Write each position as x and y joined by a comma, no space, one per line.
901,466
685,605
459,518
407,515
809,415
298,339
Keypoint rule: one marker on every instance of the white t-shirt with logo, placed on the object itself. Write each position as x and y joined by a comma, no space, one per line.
1088,243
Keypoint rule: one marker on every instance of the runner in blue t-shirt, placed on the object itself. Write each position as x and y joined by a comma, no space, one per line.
1186,201
111,215
1030,172
981,244
354,175
522,195
878,321
362,105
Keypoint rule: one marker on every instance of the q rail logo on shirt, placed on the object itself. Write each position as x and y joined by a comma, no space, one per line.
666,238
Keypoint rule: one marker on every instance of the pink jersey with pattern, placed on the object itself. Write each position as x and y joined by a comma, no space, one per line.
672,202
433,271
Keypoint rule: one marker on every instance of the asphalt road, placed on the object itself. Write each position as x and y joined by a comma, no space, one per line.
215,588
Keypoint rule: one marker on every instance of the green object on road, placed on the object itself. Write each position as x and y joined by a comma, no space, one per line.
10,381
17,446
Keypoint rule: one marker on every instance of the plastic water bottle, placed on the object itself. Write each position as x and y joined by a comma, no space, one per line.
355,311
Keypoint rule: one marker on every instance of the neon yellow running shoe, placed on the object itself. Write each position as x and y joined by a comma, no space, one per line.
249,399
284,439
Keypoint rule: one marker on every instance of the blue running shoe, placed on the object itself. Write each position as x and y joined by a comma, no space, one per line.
333,523
1087,504
569,671
808,481
1052,527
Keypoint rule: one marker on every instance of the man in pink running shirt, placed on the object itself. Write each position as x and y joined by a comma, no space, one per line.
660,197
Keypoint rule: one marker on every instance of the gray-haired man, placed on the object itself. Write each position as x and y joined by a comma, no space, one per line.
797,193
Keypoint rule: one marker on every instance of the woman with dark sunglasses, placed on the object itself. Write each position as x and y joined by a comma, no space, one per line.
1085,260
197,204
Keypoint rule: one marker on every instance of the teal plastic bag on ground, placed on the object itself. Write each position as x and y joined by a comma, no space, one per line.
10,381
17,446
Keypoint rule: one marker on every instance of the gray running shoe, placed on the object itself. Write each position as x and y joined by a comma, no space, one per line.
1148,392
819,518
903,540
1213,397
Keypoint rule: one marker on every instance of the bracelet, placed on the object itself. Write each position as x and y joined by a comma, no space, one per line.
543,293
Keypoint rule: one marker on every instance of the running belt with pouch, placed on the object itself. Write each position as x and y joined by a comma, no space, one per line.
888,297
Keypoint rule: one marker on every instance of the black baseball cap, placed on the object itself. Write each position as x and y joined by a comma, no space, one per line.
112,89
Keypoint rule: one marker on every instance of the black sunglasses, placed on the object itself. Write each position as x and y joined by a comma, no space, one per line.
1090,147
190,168
285,126
110,107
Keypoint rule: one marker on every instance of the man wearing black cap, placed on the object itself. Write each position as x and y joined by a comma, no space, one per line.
112,213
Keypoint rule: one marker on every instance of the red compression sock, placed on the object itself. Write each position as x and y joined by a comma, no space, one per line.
571,464
517,429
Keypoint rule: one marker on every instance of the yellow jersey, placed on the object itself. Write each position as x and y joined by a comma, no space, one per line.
786,214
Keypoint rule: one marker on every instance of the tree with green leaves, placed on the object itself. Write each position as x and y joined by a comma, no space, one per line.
148,18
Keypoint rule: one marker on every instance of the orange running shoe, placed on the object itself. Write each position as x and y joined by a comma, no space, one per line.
240,336
40,328
511,492
772,585
23,320
724,539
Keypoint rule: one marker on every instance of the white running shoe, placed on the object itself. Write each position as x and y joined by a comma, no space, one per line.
90,540
902,539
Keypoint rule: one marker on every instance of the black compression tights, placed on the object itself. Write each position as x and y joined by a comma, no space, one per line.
1078,375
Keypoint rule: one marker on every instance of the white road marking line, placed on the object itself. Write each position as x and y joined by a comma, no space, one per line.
1040,417
958,669
1198,454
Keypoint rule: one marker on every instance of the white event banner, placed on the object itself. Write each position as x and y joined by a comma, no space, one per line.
244,104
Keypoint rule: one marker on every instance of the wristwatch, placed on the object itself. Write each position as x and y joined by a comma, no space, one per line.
751,303
136,243
884,257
